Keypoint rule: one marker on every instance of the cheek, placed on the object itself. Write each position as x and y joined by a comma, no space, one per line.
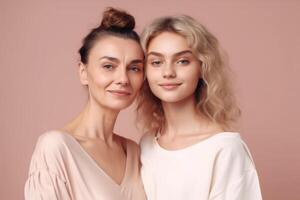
192,74
191,78
152,75
101,81
136,81
194,78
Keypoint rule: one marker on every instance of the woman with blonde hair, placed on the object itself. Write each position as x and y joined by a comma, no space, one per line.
188,109
86,160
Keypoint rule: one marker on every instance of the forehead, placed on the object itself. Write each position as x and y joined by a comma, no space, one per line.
168,44
116,47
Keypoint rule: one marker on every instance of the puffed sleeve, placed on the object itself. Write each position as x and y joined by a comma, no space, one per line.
235,176
46,179
45,185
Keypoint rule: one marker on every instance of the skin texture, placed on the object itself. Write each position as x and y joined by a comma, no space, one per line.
173,72
113,76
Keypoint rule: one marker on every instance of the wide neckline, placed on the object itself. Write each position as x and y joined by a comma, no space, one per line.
194,145
89,157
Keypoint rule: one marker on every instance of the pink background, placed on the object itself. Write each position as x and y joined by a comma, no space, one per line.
40,89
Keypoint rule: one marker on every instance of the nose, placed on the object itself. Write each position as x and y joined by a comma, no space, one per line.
168,72
123,79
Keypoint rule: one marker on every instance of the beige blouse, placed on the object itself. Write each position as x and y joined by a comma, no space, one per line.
61,169
218,168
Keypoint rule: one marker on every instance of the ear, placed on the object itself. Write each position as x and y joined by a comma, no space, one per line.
83,74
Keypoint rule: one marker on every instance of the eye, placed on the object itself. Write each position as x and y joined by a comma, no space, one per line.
183,62
108,66
155,63
135,68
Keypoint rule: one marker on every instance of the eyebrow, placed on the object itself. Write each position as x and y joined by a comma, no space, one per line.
113,59
176,54
137,61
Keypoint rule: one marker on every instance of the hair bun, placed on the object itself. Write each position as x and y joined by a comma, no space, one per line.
118,20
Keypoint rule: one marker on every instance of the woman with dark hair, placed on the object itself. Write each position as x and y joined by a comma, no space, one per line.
85,160
191,149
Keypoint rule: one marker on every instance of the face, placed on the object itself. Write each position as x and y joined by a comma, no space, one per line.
114,72
172,69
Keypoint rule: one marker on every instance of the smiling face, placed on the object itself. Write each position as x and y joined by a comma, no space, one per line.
114,72
172,69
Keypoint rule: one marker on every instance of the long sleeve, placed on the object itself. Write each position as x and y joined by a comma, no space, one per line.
47,179
45,185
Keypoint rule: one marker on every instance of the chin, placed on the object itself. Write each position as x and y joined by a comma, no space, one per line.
170,99
119,105
174,98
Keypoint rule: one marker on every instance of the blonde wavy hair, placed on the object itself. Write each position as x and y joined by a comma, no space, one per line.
214,95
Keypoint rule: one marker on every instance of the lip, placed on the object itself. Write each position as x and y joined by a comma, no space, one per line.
169,86
119,92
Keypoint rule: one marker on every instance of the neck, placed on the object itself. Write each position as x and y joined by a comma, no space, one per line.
94,122
184,118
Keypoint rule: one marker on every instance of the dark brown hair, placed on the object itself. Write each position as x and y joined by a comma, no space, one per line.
114,22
